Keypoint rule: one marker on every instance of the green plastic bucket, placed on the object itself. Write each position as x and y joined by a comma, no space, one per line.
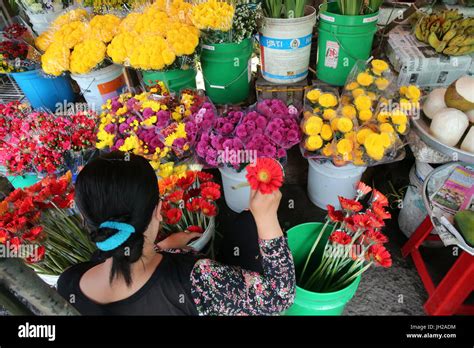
20,181
342,41
175,80
300,241
226,71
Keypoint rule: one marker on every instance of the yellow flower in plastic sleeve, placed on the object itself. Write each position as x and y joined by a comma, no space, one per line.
71,34
386,139
87,55
104,27
383,116
379,66
333,124
344,124
358,92
399,117
386,128
362,135
55,60
43,41
374,145
326,132
78,14
401,128
352,85
346,99
413,92
313,95
365,115
327,150
344,147
365,79
382,83
312,125
327,100
403,90
122,46
363,102
313,143
329,114
358,157
349,111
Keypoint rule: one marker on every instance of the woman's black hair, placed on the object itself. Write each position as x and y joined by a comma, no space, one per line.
118,187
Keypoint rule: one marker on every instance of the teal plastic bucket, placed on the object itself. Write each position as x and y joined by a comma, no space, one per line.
226,71
300,241
175,80
342,41
44,92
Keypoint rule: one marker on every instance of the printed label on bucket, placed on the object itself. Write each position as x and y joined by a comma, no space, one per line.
285,44
327,18
112,88
332,54
371,19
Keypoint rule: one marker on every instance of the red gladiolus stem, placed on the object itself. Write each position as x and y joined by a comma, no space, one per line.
310,255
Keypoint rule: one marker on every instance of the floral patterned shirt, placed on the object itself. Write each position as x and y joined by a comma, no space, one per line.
218,289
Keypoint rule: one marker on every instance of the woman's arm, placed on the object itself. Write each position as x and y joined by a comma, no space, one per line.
227,290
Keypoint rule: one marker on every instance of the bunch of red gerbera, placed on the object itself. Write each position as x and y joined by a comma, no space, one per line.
40,216
188,202
354,243
40,142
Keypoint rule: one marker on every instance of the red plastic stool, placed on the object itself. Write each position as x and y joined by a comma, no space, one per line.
448,296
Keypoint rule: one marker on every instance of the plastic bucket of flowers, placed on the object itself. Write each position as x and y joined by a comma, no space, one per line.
285,43
100,85
236,200
331,257
42,12
345,36
175,80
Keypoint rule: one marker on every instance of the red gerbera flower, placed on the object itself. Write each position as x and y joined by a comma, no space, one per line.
379,210
349,222
3,236
191,193
265,176
375,221
380,255
14,243
208,208
362,220
377,196
165,205
26,206
204,177
194,228
210,193
194,204
186,181
335,215
376,237
33,234
16,195
173,216
340,237
363,189
176,196
350,204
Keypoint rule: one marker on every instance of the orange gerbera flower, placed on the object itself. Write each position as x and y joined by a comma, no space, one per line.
377,196
379,210
265,176
376,237
334,215
167,184
380,255
363,189
208,208
340,237
176,196
186,181
210,193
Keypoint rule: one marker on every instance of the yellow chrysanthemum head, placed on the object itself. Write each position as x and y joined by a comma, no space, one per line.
78,14
312,125
352,85
313,95
349,111
344,124
122,46
43,41
413,92
365,115
313,143
363,102
399,117
374,145
358,92
326,132
365,79
329,114
55,60
213,14
327,100
87,55
362,134
344,147
379,66
104,27
382,83
71,34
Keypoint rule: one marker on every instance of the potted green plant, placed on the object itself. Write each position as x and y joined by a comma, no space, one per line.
331,257
346,32
285,38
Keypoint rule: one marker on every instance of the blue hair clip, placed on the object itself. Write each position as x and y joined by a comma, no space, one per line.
123,233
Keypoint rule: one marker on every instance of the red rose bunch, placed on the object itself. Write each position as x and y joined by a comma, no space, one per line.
354,243
40,142
188,202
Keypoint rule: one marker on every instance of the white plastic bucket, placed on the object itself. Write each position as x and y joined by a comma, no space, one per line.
41,21
285,47
100,85
206,237
326,182
236,199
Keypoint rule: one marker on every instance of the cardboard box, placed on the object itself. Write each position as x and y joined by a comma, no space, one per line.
418,63
291,94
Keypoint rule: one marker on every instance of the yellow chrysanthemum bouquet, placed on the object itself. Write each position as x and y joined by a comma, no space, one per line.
159,38
77,42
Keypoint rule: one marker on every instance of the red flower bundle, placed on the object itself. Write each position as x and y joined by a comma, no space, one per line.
354,244
188,202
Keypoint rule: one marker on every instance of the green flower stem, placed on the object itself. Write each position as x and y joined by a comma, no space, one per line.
313,248
354,276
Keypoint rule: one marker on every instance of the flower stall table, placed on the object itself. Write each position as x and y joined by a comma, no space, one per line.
447,297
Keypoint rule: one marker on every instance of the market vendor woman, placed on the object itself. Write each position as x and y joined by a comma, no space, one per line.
119,200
